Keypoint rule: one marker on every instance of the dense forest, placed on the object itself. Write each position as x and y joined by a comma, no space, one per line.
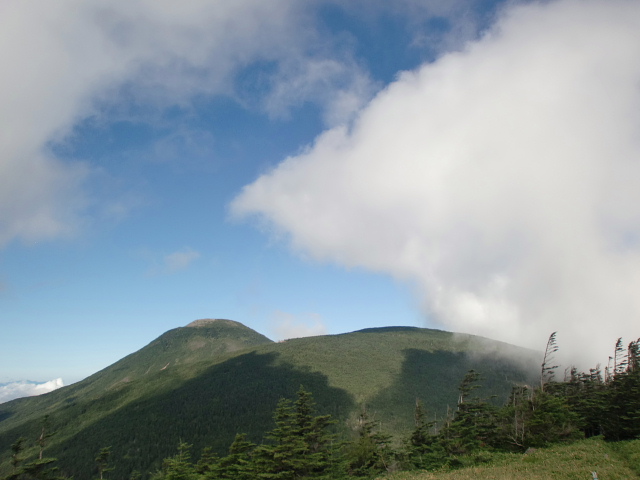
304,444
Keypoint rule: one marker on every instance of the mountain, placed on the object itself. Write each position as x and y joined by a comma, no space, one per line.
205,382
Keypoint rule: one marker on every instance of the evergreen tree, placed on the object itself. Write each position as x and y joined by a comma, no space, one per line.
633,356
238,465
38,469
547,370
102,461
16,451
299,446
422,449
45,433
585,396
474,424
619,360
135,475
622,398
370,453
178,467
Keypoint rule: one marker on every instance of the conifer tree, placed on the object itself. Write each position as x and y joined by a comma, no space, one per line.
178,467
619,360
422,449
370,453
474,424
208,461
238,465
299,445
16,451
38,469
102,461
45,433
622,398
547,370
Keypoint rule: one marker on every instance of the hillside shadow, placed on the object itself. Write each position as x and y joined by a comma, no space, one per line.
235,396
434,377
4,414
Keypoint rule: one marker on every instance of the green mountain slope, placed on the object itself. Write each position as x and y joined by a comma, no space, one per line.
202,341
205,383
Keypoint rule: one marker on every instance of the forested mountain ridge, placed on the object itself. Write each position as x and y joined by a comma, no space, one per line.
201,341
206,382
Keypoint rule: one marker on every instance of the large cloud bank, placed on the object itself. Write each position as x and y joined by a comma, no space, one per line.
10,391
503,181
69,60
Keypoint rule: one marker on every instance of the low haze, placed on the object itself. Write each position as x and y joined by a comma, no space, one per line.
312,168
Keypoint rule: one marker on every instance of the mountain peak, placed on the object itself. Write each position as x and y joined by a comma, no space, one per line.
207,322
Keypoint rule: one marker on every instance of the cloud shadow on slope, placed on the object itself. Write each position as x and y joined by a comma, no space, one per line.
235,396
434,377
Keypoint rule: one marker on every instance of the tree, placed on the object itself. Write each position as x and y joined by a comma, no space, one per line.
178,467
547,370
300,446
102,461
238,464
370,452
619,360
474,424
422,448
16,451
622,397
44,434
633,356
39,469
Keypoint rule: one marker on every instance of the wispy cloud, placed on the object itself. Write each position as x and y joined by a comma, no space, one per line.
501,180
180,260
10,391
286,325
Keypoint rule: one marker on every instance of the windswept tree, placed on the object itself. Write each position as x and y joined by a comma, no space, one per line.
619,359
633,356
622,396
45,434
547,370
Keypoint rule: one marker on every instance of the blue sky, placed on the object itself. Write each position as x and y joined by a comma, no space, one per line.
315,168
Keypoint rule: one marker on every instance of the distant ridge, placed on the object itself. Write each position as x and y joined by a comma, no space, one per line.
388,329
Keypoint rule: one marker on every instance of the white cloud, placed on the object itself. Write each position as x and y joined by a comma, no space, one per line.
180,260
69,60
502,180
13,390
286,325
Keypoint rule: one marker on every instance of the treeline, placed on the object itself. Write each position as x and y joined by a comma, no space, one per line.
306,445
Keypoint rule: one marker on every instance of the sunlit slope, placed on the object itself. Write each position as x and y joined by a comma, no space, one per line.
161,365
205,383
387,368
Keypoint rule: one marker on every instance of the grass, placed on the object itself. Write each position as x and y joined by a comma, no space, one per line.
577,461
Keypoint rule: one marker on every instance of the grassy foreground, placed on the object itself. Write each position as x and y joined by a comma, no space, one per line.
610,461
